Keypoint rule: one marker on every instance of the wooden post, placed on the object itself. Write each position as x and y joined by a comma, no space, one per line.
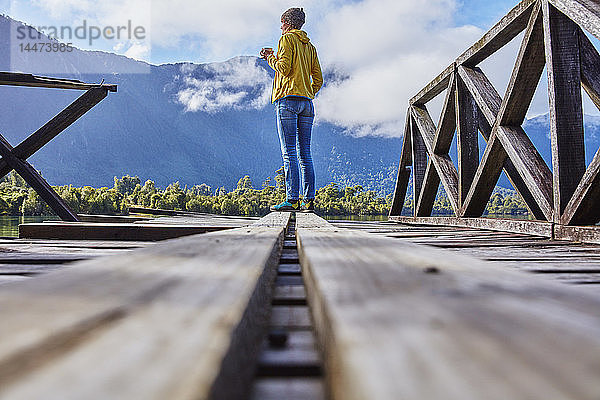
566,112
467,138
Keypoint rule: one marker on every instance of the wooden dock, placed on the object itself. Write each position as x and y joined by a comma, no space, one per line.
295,307
291,306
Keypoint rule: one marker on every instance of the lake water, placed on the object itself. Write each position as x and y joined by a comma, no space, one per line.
9,225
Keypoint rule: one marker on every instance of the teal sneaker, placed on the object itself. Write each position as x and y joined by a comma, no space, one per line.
308,206
293,205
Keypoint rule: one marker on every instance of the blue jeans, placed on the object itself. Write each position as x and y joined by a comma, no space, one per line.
295,117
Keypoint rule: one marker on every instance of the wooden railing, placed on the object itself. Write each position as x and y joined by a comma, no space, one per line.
567,194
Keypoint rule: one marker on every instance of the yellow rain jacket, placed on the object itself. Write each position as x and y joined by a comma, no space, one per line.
295,63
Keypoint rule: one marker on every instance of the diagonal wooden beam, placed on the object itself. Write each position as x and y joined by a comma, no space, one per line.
583,207
499,35
584,12
419,161
447,124
55,126
513,176
400,191
590,71
403,170
467,116
33,178
485,179
526,74
431,181
443,164
434,88
566,110
528,162
428,192
406,155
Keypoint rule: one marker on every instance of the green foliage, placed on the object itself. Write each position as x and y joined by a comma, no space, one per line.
17,198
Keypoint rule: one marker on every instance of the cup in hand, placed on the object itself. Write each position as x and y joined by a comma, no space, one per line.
266,51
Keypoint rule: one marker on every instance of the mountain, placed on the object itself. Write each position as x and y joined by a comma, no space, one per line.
152,127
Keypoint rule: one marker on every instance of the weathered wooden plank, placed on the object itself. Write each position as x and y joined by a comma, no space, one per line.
566,110
110,218
406,154
114,231
398,321
187,214
289,268
55,126
70,244
585,234
505,225
288,389
289,295
178,320
447,125
196,221
20,79
291,317
467,124
485,94
526,73
499,35
419,160
537,254
585,12
434,88
299,356
583,207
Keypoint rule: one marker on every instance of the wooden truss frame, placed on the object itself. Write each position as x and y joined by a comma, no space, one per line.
567,194
16,157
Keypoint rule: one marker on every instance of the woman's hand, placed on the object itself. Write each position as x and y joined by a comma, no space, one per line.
265,52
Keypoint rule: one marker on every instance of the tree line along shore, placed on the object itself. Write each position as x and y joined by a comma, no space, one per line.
17,198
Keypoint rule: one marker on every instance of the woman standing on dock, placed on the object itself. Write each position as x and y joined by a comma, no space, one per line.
295,64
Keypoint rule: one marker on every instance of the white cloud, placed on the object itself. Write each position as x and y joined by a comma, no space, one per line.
390,49
138,51
237,84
